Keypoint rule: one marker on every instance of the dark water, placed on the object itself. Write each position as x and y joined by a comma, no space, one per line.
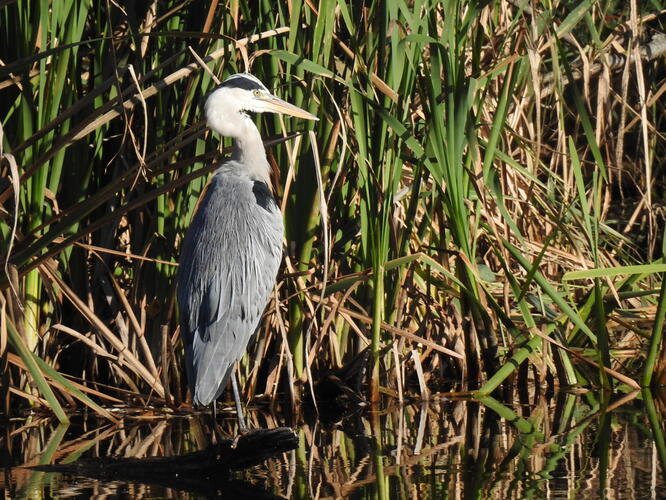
572,446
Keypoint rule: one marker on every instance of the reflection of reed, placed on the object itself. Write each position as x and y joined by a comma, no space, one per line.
446,449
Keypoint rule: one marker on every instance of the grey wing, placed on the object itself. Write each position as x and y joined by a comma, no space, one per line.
228,266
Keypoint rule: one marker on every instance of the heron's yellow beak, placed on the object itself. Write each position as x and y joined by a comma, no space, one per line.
276,105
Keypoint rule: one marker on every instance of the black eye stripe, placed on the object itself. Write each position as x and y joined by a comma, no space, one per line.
241,82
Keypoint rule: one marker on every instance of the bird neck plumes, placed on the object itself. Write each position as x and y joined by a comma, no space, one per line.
249,150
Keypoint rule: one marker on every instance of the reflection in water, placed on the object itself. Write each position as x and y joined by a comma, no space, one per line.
565,448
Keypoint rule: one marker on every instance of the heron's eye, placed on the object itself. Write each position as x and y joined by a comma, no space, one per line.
256,92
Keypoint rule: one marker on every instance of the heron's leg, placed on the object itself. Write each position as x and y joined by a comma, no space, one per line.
213,412
239,409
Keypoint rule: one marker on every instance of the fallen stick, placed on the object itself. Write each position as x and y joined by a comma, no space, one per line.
189,470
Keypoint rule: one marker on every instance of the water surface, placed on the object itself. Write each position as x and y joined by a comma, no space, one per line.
569,446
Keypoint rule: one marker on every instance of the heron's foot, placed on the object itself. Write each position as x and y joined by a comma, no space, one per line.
242,432
234,443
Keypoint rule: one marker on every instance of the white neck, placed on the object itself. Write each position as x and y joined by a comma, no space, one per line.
249,150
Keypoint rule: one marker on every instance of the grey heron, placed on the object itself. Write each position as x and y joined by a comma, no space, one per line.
233,247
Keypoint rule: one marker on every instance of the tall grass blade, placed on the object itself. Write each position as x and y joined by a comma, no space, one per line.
35,373
656,339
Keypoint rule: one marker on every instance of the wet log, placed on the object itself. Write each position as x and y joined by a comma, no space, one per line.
189,471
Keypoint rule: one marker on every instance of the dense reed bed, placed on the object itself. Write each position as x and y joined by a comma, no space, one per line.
480,206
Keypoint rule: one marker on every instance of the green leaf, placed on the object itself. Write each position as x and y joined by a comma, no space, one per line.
609,272
303,63
37,376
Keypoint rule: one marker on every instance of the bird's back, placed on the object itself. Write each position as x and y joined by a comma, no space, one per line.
229,261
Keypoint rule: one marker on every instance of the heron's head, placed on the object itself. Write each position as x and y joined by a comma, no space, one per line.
242,93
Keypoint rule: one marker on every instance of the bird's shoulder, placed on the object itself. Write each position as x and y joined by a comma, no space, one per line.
231,176
231,183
